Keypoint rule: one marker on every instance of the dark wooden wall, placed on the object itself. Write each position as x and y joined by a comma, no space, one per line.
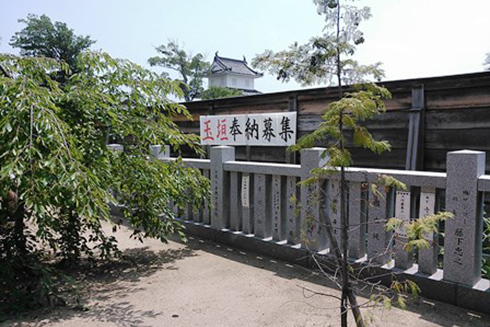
450,113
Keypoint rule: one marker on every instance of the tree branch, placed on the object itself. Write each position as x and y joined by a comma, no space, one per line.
4,72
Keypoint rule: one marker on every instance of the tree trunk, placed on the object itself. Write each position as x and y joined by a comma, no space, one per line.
19,226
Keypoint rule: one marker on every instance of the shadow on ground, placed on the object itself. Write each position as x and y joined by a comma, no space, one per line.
101,281
106,284
442,314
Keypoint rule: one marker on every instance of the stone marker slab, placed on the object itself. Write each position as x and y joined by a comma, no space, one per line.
246,199
311,201
276,206
261,212
160,151
333,208
463,234
220,205
206,214
292,219
428,257
403,258
245,190
357,226
378,238
235,210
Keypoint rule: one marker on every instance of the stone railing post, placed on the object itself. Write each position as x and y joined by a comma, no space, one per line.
160,151
220,186
115,147
463,233
311,201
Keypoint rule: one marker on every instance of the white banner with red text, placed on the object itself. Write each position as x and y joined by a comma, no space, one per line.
274,129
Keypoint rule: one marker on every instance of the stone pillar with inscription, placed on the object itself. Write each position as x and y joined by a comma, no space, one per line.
377,238
246,198
333,205
159,151
357,223
292,221
206,211
277,208
235,208
403,258
115,147
463,234
311,201
428,256
262,214
220,198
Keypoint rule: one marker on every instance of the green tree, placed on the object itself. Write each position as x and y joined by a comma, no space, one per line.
329,59
41,38
58,175
216,92
191,68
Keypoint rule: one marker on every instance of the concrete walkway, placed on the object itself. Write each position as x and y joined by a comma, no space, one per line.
206,284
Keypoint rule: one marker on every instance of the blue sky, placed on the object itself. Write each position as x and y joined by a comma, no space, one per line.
413,38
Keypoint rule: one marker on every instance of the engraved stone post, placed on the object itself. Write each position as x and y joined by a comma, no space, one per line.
311,201
403,258
262,218
463,243
247,198
292,221
333,206
235,210
206,214
159,151
115,147
428,257
277,224
357,225
220,192
377,242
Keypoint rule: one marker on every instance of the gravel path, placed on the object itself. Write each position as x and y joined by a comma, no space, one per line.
206,284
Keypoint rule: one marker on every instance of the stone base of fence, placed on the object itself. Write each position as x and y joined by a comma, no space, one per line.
433,287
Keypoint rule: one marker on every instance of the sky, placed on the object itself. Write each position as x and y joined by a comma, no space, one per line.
412,38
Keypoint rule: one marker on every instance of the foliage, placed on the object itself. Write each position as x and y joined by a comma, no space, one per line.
191,68
487,62
322,60
486,240
217,92
417,229
41,38
57,172
350,111
328,58
324,57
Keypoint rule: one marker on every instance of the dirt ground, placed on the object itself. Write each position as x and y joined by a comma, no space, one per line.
207,284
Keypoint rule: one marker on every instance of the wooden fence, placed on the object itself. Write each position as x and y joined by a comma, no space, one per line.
425,120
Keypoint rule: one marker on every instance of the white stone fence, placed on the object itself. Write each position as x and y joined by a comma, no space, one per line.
262,202
257,199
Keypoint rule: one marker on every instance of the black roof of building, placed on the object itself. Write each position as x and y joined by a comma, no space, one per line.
222,64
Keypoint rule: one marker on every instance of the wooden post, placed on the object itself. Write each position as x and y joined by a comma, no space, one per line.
416,134
207,148
291,158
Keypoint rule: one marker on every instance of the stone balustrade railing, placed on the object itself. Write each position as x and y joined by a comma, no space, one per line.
263,202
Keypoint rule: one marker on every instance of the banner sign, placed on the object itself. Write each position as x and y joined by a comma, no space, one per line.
275,129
